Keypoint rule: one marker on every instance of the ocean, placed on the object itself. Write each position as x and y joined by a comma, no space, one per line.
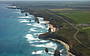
19,35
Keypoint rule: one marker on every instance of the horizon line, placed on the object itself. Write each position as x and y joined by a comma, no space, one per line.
49,0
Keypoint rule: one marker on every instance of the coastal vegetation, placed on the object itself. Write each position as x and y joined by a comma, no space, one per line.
80,17
70,18
82,22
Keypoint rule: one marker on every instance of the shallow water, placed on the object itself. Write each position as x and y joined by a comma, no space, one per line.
19,35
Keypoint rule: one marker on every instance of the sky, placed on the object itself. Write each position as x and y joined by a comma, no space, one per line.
44,0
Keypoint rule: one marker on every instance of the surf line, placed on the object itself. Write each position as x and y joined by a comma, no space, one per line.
31,39
52,28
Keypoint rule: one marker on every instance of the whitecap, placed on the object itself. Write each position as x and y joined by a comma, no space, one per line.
36,34
38,25
33,29
61,50
32,20
30,37
24,17
23,20
17,12
38,52
43,41
40,18
48,45
29,24
38,41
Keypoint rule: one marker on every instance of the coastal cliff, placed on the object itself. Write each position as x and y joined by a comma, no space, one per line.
60,26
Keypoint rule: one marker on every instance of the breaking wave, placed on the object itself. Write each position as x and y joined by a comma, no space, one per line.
34,31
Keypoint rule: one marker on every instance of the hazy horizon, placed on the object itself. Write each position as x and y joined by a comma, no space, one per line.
45,0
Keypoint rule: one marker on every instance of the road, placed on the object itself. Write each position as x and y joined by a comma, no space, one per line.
73,25
75,35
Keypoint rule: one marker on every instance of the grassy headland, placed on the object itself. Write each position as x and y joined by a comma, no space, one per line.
81,21
71,19
80,17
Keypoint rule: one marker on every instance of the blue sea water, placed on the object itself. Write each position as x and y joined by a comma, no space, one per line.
19,35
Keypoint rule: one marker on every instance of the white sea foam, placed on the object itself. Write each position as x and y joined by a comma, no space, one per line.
43,41
23,20
42,22
24,17
40,18
29,24
39,41
41,52
30,37
36,34
61,50
32,20
38,52
47,45
38,25
33,29
17,12
33,40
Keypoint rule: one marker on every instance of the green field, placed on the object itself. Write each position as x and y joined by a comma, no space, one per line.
80,17
77,17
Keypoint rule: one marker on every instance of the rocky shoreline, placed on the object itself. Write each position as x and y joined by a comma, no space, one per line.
52,28
65,45
59,41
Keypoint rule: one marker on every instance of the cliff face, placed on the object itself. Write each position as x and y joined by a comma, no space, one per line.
72,50
64,31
